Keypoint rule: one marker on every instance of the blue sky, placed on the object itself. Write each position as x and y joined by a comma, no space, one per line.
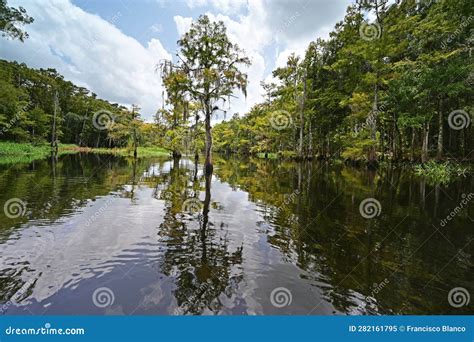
112,46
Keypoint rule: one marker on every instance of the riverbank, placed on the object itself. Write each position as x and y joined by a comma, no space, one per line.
123,152
434,171
12,152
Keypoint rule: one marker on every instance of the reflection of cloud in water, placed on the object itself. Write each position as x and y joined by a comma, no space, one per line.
83,249
236,252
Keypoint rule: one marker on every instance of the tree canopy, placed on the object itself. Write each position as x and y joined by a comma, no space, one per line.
400,87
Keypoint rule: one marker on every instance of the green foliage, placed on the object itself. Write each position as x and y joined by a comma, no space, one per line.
208,71
11,21
287,154
442,173
27,108
385,95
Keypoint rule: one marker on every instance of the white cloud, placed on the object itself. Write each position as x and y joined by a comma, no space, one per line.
225,6
157,28
288,26
252,40
90,52
182,24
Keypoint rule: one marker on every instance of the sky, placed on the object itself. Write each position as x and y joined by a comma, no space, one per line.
112,47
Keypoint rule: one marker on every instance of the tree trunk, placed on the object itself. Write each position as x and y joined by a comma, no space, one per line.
54,142
372,157
424,148
208,162
300,147
412,156
439,154
135,144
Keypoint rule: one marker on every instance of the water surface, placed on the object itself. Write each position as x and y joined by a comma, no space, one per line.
160,239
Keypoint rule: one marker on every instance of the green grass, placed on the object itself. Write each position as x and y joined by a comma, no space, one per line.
12,152
126,152
15,149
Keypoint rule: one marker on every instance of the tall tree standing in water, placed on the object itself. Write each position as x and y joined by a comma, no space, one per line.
207,71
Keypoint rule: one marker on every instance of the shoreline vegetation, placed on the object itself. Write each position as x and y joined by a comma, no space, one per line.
436,172
13,152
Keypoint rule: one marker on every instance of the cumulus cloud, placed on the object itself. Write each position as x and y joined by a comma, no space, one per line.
182,24
90,52
94,53
302,19
283,25
225,6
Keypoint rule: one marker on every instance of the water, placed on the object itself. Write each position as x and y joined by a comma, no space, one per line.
105,235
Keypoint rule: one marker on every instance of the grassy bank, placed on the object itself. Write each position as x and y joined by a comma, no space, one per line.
124,152
11,152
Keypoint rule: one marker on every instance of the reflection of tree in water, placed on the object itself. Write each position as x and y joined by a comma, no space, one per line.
197,253
345,255
54,188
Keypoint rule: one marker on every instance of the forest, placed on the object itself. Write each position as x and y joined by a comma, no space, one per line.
398,86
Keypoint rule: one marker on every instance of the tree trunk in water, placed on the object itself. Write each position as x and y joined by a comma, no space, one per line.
208,162
424,148
135,144
300,147
439,154
196,161
205,213
176,154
